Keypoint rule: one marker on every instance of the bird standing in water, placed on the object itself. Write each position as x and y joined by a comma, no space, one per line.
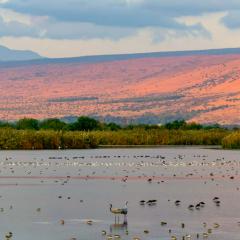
120,211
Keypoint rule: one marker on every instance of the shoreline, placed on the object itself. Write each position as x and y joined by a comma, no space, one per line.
102,147
217,147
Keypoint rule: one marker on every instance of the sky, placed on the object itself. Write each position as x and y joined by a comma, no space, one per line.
68,28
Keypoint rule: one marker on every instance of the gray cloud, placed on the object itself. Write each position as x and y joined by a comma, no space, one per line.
62,30
232,19
73,19
16,29
193,30
190,7
121,13
77,30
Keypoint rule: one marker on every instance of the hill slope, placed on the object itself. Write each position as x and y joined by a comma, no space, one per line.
7,54
199,87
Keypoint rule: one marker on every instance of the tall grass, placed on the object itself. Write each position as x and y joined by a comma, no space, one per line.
30,139
232,141
160,137
50,139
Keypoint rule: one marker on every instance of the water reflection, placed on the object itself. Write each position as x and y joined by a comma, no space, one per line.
119,228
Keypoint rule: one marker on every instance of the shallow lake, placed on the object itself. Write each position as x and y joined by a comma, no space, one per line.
41,189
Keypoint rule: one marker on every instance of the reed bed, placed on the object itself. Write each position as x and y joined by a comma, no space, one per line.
232,141
50,139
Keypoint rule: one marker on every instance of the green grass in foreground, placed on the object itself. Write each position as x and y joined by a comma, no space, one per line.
50,139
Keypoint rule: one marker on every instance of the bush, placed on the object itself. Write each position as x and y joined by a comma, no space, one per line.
52,124
27,124
84,124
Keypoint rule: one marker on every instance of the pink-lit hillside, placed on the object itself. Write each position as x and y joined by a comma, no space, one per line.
201,88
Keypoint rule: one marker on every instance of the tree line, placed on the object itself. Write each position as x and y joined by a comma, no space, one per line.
87,132
85,123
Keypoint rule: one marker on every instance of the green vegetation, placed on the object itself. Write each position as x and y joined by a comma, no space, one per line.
45,139
160,137
232,141
52,124
90,133
27,123
84,124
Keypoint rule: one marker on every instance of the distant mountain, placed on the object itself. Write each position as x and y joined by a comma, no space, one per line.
36,59
121,57
7,55
201,86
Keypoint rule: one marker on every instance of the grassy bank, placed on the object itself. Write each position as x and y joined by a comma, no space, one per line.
50,139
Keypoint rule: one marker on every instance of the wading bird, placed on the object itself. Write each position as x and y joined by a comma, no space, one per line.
119,211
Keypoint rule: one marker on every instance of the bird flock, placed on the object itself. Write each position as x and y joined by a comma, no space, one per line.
151,171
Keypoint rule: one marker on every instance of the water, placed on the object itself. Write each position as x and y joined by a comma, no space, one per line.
38,189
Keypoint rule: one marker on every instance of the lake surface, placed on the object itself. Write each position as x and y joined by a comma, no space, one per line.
38,189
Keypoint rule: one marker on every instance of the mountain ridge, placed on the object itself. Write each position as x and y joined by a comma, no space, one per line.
9,55
121,57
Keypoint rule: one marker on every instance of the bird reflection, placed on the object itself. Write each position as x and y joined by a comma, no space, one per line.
119,228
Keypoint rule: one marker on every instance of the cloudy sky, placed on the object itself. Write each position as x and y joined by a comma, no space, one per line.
65,28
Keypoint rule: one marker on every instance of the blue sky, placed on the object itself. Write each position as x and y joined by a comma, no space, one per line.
65,28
